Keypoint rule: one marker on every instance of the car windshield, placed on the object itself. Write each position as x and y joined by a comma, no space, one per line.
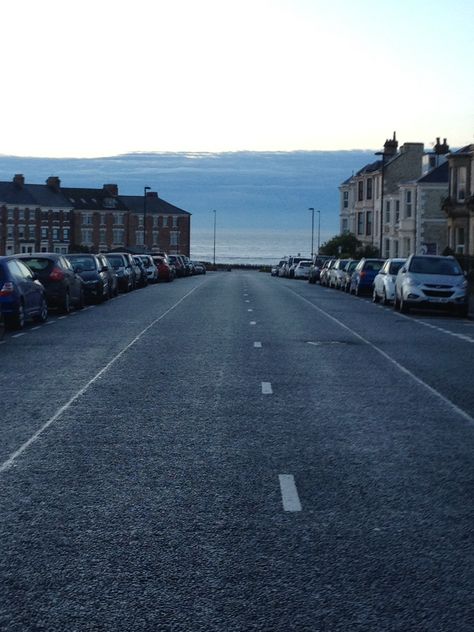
440,265
373,265
116,261
86,263
39,264
395,267
304,264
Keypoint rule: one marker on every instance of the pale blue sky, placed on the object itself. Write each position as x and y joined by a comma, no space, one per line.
101,77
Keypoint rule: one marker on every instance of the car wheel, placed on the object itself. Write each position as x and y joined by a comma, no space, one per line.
403,306
463,311
66,306
42,315
81,302
375,297
16,321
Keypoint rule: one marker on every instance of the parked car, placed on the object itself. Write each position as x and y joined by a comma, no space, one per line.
429,281
112,280
282,267
302,269
336,272
140,271
122,265
21,295
150,268
324,274
166,271
199,267
96,280
178,264
384,282
347,274
292,263
64,288
364,274
315,268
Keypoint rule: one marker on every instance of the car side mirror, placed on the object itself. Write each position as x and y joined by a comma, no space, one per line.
105,269
403,270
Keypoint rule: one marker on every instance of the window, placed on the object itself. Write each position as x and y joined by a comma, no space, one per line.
395,249
55,234
66,234
156,237
10,232
368,228
360,192
387,248
175,222
397,212
10,213
461,184
102,236
460,237
407,245
387,211
345,197
407,203
21,214
174,239
155,221
44,233
21,232
139,237
165,222
117,236
86,236
360,223
118,219
369,188
345,225
86,219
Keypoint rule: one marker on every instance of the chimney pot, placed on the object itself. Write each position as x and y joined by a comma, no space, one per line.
19,180
112,189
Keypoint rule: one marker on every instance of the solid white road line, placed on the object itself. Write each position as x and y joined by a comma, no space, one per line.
257,345
250,310
399,366
289,493
13,457
267,388
18,335
253,322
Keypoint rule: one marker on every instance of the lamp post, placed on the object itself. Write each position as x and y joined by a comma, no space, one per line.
145,189
319,228
312,230
381,153
215,220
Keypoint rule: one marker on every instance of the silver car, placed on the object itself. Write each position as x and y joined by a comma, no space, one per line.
431,282
384,282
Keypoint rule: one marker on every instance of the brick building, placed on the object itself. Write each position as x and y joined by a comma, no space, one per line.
50,218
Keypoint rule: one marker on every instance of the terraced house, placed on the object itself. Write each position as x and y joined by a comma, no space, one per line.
459,205
51,218
395,204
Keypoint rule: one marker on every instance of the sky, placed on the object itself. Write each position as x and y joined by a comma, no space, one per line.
104,77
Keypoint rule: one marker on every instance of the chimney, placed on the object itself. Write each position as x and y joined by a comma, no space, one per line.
441,149
111,189
19,180
54,183
391,145
152,194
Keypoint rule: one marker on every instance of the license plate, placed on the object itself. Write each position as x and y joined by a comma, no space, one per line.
438,299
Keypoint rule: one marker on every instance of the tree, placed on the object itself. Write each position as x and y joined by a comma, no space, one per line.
344,246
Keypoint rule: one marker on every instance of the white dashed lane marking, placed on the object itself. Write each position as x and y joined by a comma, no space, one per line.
253,322
289,493
257,345
267,388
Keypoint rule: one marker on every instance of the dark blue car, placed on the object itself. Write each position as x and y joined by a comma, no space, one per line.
21,295
364,274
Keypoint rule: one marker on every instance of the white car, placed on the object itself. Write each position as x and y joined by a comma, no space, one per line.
432,282
150,268
384,282
302,269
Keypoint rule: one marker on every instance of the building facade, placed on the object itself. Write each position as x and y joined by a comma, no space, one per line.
51,218
459,204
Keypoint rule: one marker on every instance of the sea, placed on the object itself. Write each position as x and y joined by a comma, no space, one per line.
262,247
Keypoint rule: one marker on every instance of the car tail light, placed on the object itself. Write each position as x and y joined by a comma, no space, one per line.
363,274
56,274
7,289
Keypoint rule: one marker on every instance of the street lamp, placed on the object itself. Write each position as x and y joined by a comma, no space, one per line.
312,230
383,154
215,219
319,228
145,189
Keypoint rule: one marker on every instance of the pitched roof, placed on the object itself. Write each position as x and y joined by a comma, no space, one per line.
438,175
93,199
32,195
154,204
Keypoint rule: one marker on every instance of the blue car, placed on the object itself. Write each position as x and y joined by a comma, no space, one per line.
21,295
364,274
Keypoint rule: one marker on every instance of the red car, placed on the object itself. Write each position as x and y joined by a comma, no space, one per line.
166,271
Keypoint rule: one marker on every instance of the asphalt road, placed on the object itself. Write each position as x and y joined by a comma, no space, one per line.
238,452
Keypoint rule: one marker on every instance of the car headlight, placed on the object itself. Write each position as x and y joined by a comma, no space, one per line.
463,284
411,281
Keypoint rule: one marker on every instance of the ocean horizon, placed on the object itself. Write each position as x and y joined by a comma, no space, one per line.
250,247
